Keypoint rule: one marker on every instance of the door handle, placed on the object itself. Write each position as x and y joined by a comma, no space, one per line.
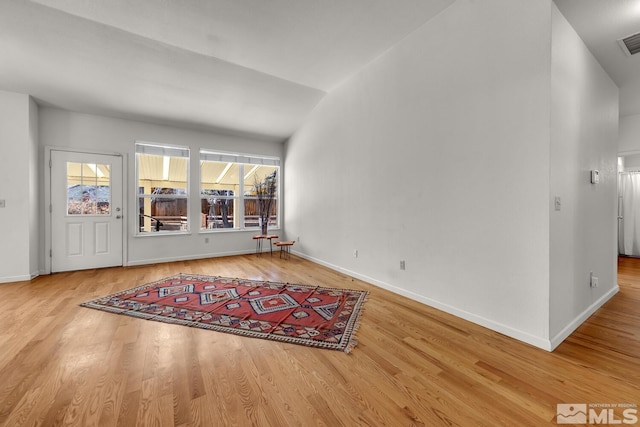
118,216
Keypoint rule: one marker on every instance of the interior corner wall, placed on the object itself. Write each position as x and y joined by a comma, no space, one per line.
437,154
18,178
36,264
584,126
93,133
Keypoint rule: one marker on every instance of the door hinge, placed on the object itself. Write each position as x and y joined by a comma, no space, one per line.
50,253
50,163
50,208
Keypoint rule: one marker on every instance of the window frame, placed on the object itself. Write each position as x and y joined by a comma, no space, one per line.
169,150
241,160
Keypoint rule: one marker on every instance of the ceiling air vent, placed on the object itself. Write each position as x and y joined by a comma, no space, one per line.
631,44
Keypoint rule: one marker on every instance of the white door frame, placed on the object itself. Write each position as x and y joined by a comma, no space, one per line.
46,253
620,154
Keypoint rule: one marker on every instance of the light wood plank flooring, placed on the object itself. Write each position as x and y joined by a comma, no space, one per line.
61,364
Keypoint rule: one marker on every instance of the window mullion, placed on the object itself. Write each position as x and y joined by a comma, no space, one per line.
240,198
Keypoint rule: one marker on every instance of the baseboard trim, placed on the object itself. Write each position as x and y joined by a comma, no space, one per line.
533,340
186,258
582,317
20,278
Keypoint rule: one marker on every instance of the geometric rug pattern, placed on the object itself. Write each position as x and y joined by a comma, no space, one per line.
308,315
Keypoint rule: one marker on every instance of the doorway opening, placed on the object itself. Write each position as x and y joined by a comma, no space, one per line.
629,205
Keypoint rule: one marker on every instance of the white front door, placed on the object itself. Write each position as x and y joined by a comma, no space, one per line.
86,211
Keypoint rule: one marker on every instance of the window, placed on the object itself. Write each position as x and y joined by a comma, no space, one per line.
236,191
88,189
163,188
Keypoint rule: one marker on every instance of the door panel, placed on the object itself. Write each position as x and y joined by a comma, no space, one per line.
74,237
86,208
102,230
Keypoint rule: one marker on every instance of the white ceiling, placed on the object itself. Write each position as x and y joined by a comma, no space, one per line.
244,66
600,23
253,67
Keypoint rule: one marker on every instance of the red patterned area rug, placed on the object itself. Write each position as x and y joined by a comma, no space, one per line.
299,314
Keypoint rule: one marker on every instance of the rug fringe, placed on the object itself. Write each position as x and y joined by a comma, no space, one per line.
353,341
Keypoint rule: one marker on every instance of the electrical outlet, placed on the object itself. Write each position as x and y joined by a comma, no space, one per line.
402,265
593,282
206,240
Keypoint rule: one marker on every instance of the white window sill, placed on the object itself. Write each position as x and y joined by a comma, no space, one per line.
164,233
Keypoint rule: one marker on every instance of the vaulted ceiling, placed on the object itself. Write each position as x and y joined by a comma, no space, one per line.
249,66
254,67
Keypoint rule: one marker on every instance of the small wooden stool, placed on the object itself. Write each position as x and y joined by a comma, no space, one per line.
284,248
259,239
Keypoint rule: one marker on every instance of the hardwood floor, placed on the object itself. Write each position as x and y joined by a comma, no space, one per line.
61,364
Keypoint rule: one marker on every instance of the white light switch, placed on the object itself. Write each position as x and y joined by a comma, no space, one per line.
1,203
558,203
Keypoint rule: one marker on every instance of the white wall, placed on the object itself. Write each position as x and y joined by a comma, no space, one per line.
419,158
18,181
584,131
64,129
631,162
629,136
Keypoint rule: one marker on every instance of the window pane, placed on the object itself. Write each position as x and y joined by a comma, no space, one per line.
252,212
163,214
218,212
219,185
261,192
88,189
162,172
103,189
219,176
162,188
257,176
